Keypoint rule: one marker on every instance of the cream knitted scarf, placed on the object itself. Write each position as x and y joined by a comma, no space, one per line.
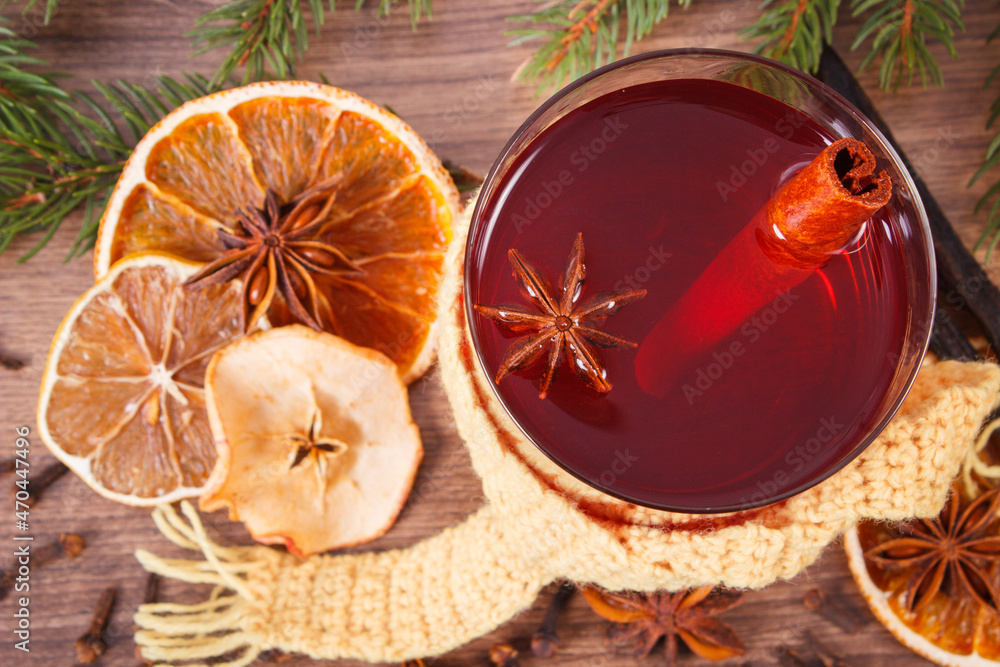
538,525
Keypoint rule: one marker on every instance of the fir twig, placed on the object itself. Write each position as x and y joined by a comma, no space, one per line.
50,7
258,33
899,30
417,9
62,151
794,31
269,37
582,35
991,233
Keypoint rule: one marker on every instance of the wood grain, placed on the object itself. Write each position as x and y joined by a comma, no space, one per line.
450,81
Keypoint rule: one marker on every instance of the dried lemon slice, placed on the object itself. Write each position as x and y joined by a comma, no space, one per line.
316,446
122,400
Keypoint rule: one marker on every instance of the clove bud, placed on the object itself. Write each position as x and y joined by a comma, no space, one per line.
843,618
789,658
277,656
504,655
825,655
545,641
42,481
10,363
69,545
149,597
91,645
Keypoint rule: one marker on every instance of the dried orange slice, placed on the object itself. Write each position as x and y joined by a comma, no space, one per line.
218,155
317,449
122,400
937,614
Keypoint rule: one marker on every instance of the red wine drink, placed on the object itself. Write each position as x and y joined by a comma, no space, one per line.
653,179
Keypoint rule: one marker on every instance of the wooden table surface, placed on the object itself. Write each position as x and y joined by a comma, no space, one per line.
450,81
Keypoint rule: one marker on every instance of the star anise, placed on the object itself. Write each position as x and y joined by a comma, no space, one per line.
952,552
688,614
277,249
561,325
313,445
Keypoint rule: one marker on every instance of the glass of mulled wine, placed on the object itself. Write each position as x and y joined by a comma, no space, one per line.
608,205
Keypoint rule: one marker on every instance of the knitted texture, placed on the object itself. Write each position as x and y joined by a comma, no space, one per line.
540,524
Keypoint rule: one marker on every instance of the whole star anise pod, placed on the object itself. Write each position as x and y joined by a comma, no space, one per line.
952,552
276,249
688,614
561,325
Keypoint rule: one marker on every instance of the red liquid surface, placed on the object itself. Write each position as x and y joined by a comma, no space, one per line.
659,178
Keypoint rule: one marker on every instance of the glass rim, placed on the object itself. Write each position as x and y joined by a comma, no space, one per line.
890,152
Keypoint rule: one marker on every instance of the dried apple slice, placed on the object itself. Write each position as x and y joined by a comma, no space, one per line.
316,446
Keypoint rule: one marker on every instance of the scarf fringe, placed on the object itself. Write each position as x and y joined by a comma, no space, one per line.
169,632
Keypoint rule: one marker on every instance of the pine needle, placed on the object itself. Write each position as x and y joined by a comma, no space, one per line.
991,234
899,30
50,7
269,37
62,151
794,31
417,9
581,35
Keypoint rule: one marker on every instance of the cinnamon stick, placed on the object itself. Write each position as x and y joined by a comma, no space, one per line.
961,279
809,219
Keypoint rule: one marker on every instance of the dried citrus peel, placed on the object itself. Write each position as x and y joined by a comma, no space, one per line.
316,446
949,627
961,645
122,402
213,157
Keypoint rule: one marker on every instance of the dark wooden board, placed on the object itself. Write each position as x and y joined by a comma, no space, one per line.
450,81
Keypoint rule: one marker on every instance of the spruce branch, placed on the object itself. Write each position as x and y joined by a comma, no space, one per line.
417,9
899,30
991,234
794,31
61,151
582,35
258,33
50,7
269,37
